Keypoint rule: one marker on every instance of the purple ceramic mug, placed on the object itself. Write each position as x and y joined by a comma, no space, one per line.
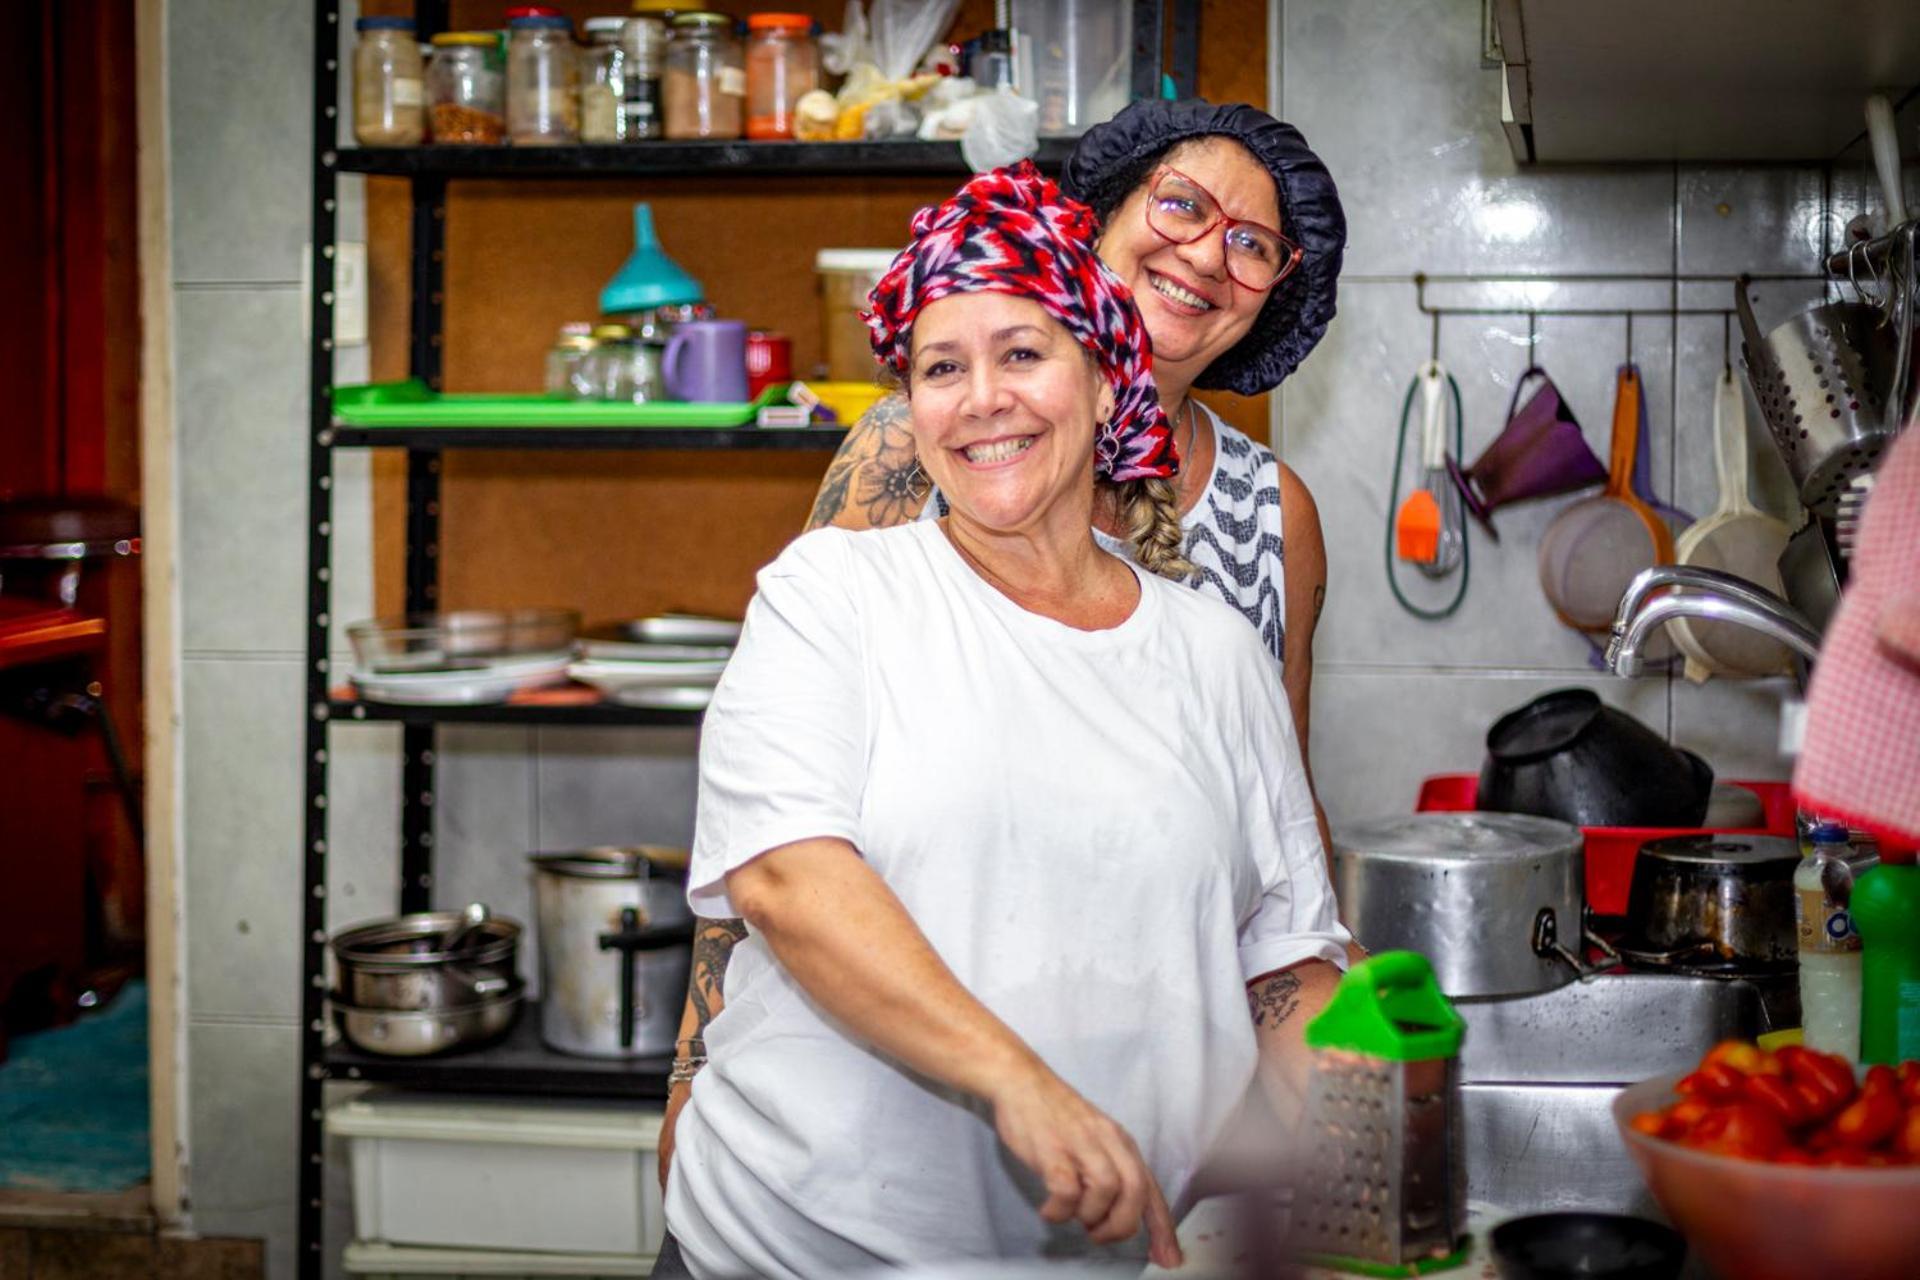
706,362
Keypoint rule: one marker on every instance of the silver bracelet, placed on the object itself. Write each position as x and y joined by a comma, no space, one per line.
684,1070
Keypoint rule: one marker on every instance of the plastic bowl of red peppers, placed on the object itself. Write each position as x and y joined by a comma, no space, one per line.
1784,1164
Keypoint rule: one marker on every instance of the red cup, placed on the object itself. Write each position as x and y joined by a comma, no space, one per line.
769,360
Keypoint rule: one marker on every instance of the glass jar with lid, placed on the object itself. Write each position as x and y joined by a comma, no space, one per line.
543,79
466,92
564,357
783,62
389,96
705,83
603,82
645,43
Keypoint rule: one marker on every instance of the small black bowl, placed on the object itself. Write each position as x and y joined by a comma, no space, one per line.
1586,1246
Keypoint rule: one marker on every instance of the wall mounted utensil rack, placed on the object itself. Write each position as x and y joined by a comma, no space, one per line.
520,1063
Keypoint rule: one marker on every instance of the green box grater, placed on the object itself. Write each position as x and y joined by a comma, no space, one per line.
1387,1189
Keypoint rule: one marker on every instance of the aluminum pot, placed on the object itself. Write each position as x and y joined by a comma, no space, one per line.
414,1033
1483,896
402,963
1716,904
616,939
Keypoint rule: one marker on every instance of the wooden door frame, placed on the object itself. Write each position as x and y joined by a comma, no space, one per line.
166,1020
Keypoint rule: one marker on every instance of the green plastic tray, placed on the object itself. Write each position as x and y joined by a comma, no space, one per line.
411,403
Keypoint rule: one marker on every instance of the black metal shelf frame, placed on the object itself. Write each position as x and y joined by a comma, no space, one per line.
520,1063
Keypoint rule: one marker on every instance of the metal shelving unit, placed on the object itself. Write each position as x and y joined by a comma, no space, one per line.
520,1063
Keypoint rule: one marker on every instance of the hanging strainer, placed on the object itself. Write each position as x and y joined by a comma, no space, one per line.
1824,379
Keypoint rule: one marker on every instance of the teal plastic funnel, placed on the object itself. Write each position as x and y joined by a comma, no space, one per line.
649,278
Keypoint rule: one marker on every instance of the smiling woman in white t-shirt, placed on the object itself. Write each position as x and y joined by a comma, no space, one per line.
994,1001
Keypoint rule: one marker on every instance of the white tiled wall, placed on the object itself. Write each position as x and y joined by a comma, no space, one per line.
1392,95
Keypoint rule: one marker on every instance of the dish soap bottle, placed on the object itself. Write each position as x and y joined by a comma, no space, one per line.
1829,945
1886,906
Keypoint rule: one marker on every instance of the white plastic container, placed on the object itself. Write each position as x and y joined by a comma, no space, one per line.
847,276
553,1175
1829,953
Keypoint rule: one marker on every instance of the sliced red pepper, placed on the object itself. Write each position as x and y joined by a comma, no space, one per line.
1906,1141
1871,1118
1909,1073
1741,1129
1651,1123
1816,1102
1831,1075
1778,1096
1681,1117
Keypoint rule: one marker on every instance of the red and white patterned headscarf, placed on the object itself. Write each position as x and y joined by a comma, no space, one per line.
1013,231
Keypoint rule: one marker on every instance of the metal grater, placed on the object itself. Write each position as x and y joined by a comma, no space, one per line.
1386,1187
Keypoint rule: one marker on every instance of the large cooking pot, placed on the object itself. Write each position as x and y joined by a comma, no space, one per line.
1483,896
404,963
1715,904
1567,755
616,939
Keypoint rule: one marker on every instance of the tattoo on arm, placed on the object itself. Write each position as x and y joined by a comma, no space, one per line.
875,471
1275,1000
713,943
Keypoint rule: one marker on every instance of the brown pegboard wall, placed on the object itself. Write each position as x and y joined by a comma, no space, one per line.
623,534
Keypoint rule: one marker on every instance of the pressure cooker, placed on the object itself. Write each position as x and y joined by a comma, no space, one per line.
616,939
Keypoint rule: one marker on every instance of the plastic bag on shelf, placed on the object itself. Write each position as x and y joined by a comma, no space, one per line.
1005,128
901,31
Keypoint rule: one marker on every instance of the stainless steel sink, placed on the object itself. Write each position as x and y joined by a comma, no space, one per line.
1617,1029
1538,1075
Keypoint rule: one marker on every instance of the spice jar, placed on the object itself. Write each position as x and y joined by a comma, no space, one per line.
783,62
543,80
645,44
389,100
705,84
466,93
564,357
603,82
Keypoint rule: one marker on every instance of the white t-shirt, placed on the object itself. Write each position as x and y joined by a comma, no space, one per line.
1109,835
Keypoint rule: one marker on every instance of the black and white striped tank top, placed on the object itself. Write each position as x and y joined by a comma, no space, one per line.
1233,533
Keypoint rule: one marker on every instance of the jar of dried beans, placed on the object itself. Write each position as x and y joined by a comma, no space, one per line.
783,62
389,100
543,80
466,92
705,85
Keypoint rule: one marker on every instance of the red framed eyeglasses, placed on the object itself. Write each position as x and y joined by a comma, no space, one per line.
1181,211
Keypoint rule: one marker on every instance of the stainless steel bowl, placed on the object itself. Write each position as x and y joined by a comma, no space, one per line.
466,638
417,1033
401,964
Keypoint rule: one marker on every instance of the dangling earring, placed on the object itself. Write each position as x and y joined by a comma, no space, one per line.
917,483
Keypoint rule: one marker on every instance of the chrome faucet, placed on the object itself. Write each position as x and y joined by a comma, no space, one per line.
1701,593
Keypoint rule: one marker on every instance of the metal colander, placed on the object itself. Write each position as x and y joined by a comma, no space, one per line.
1824,379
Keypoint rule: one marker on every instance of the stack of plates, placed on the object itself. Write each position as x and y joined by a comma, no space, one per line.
670,662
462,658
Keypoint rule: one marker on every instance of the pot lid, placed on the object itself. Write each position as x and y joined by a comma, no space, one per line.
612,862
1462,838
1726,852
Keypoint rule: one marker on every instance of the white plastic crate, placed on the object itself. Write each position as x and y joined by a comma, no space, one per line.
470,1173
398,1262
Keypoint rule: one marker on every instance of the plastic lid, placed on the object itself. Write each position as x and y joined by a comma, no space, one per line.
612,331
778,22
531,11
576,328
653,6
702,20
540,22
446,38
873,260
384,24
1828,833
604,26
